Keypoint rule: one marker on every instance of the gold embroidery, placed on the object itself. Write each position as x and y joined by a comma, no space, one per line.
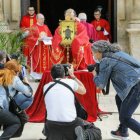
79,58
57,54
31,22
44,57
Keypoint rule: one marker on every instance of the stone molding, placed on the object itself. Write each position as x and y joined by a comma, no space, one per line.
16,13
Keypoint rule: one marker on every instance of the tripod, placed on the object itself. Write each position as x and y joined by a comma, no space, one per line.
101,113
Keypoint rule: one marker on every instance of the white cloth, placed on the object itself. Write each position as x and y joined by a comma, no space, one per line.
35,75
105,32
46,40
60,101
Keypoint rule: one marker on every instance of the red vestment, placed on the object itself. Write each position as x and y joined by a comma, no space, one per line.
25,24
39,53
104,24
80,49
27,21
91,31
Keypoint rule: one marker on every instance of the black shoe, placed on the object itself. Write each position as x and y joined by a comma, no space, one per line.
80,133
120,135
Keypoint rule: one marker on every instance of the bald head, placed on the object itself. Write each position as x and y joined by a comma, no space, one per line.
40,19
82,16
39,15
70,14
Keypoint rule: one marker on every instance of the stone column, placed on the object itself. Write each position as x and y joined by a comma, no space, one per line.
3,23
135,13
15,9
122,21
1,11
133,29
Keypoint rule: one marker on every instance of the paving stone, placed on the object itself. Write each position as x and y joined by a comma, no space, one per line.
33,131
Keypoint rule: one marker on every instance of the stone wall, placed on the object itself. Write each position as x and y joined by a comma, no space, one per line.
128,26
1,11
122,23
11,13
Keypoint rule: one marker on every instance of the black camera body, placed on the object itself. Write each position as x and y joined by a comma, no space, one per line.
92,67
65,68
95,67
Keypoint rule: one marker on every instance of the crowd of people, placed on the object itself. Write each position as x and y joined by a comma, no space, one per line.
89,42
42,49
10,84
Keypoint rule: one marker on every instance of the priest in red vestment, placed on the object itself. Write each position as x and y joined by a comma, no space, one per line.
80,54
102,26
91,31
29,19
26,22
39,42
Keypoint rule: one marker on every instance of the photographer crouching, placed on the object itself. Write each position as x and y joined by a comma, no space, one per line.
62,121
10,83
124,72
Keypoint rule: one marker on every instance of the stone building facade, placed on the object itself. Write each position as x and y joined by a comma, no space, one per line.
128,26
127,13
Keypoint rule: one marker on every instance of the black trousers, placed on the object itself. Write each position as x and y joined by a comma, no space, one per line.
62,130
66,130
11,121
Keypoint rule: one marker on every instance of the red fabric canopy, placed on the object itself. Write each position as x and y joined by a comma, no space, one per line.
37,111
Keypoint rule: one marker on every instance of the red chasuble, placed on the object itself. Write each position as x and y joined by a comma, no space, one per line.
27,21
25,24
104,24
80,49
39,52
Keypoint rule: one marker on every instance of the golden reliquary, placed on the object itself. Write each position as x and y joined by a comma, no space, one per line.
67,31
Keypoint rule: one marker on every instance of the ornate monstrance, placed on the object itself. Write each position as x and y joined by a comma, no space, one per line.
67,32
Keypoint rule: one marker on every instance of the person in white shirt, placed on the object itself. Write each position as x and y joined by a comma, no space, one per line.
59,100
62,119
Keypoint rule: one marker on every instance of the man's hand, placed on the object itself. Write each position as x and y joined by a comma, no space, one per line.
62,44
39,39
25,34
94,72
71,71
98,28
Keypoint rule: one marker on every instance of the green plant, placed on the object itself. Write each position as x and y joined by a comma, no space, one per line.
3,41
14,43
11,42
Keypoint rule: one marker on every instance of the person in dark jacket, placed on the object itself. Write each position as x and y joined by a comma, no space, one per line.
124,72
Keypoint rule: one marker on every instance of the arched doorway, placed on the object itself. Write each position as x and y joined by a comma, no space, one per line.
54,11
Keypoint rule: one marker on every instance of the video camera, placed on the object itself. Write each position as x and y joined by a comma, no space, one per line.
92,67
66,69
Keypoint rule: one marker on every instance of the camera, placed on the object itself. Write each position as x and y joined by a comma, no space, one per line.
91,40
66,69
92,67
95,67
